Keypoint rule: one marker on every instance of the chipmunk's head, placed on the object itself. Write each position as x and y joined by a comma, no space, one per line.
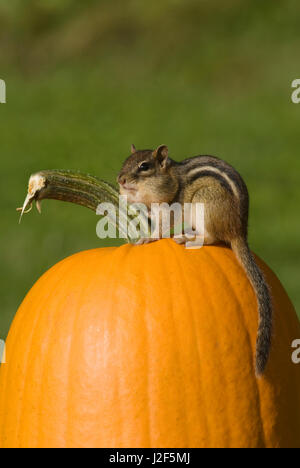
146,177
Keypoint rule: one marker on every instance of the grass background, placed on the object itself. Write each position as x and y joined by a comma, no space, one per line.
87,79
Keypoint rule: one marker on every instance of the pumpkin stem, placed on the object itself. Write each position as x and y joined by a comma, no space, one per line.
75,187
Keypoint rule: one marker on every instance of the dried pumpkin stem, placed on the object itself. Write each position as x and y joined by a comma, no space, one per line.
74,187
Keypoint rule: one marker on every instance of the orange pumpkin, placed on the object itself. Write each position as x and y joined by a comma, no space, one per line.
149,346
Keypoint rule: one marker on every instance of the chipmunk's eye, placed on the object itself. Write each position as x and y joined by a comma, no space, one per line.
144,166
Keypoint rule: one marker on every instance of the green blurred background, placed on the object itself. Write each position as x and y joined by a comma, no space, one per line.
87,79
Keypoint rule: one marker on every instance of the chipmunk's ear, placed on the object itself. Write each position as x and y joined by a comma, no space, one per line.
133,149
161,155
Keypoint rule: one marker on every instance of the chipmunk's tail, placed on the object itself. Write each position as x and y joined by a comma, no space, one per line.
264,334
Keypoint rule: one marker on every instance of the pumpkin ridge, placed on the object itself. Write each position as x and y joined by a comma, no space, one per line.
11,350
176,248
114,332
29,359
170,285
258,397
119,256
31,352
149,342
221,370
110,324
50,330
147,364
122,253
63,303
83,259
72,346
146,428
10,344
65,277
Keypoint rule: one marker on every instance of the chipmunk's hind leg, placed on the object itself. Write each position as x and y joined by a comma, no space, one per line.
221,212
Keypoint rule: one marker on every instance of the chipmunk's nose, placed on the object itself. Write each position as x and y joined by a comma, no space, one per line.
121,179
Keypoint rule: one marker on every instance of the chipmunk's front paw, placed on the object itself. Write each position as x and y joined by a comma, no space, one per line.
189,239
179,239
184,238
145,240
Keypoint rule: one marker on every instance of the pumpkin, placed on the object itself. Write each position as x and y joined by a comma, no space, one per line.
149,346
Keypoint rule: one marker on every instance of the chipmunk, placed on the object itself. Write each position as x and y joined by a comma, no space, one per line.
149,176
